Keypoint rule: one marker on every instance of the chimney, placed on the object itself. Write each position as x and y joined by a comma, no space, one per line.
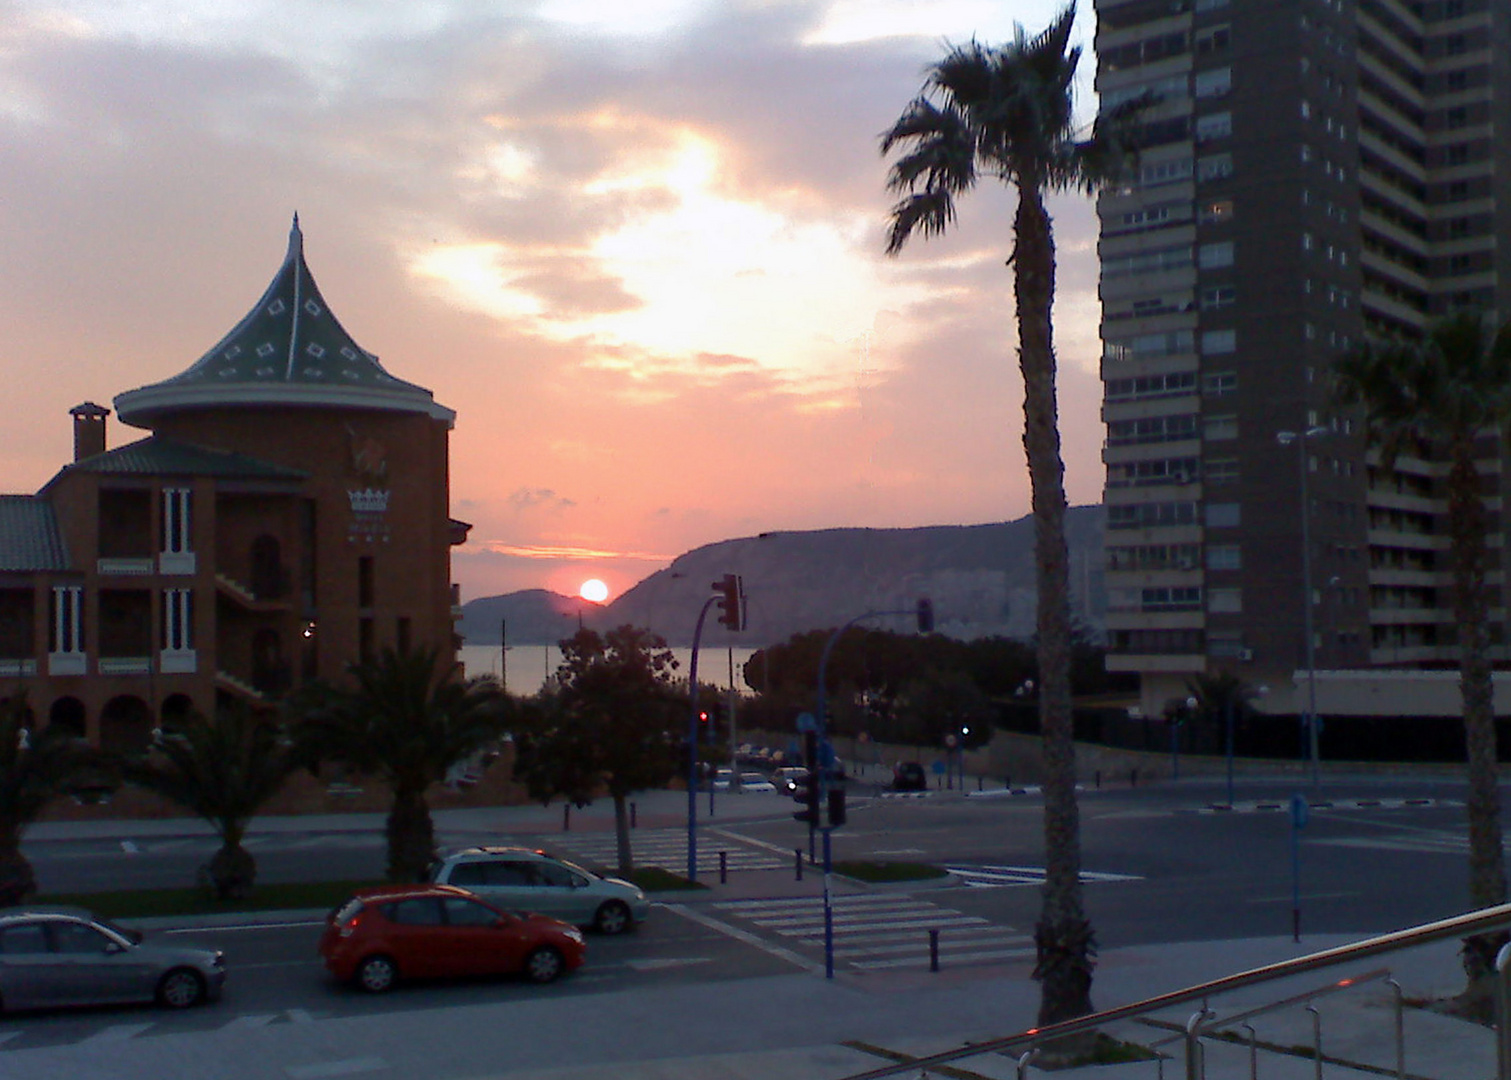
88,429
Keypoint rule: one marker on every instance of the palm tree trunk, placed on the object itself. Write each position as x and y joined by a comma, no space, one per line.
622,836
1469,527
1063,937
410,833
232,870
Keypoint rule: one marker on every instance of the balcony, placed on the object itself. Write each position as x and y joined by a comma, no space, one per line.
124,665
270,594
124,566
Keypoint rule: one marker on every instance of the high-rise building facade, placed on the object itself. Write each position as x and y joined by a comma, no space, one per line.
1313,171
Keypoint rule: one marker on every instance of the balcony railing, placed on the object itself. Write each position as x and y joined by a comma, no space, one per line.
1201,1024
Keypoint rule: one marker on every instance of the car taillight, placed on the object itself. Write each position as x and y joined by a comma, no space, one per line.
349,927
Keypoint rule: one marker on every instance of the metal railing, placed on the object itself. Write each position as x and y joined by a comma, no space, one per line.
1485,921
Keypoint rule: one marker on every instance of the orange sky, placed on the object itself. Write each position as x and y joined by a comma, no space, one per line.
637,247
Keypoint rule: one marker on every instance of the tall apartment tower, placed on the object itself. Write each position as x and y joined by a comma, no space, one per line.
1314,172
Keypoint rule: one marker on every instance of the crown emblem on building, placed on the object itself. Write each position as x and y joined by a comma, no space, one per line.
369,501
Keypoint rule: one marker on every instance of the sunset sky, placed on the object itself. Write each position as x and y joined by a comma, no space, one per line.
637,245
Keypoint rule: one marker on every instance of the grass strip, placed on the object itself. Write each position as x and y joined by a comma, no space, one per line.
879,871
192,900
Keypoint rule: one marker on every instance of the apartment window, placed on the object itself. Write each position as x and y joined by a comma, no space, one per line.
1156,173
404,634
1217,212
1151,429
1214,126
1210,256
1170,598
175,520
178,620
1214,83
1224,557
1306,109
66,629
1222,515
367,645
1221,471
1214,342
365,583
1218,428
1219,383
1214,167
1147,262
1213,39
1149,515
1225,600
1218,297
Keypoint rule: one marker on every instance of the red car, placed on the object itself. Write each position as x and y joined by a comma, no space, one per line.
391,932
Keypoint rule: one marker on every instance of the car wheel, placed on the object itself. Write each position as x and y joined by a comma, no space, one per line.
181,988
544,965
613,918
377,974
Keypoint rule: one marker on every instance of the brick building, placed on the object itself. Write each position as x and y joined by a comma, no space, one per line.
286,516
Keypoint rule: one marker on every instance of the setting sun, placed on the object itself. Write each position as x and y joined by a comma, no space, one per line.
594,590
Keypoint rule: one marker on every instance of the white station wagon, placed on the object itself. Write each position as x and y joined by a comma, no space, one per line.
524,880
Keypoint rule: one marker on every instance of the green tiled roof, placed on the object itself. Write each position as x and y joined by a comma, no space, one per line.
290,349
29,537
155,456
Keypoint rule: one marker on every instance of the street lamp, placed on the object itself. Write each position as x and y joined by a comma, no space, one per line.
1309,719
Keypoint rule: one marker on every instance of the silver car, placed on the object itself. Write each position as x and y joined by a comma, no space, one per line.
68,957
524,880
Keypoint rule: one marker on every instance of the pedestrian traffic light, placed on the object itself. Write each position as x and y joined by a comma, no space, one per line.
836,806
731,601
806,794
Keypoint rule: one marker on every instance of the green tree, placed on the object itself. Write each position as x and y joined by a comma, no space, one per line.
406,718
1006,112
224,771
1435,398
614,725
36,767
1218,695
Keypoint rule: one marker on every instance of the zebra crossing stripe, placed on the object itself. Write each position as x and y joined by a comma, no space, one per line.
922,920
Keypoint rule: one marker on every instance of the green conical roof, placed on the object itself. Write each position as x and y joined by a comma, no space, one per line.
290,349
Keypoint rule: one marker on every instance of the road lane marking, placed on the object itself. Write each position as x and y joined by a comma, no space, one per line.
347,1067
746,937
115,1033
238,927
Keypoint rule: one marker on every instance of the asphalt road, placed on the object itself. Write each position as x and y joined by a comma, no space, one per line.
1160,864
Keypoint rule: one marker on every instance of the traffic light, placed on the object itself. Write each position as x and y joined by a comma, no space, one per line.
731,601
806,795
836,806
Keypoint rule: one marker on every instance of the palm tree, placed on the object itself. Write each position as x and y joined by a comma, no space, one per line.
1006,112
407,720
35,768
223,771
1438,396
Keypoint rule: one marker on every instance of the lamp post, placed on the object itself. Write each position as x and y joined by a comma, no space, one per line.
1309,719
1227,710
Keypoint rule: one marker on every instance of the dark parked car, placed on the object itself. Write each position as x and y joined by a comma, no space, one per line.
393,932
909,776
66,956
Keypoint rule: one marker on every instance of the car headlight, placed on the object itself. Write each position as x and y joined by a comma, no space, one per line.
218,960
576,935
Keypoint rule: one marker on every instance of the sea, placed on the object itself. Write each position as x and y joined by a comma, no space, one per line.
526,667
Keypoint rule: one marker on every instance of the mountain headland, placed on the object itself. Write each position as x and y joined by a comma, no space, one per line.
979,577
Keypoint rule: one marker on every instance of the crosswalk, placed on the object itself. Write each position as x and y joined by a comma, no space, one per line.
997,877
667,848
883,932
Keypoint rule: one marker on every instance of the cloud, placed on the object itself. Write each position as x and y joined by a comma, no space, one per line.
642,259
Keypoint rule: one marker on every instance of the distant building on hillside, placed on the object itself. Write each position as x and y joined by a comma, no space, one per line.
287,516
